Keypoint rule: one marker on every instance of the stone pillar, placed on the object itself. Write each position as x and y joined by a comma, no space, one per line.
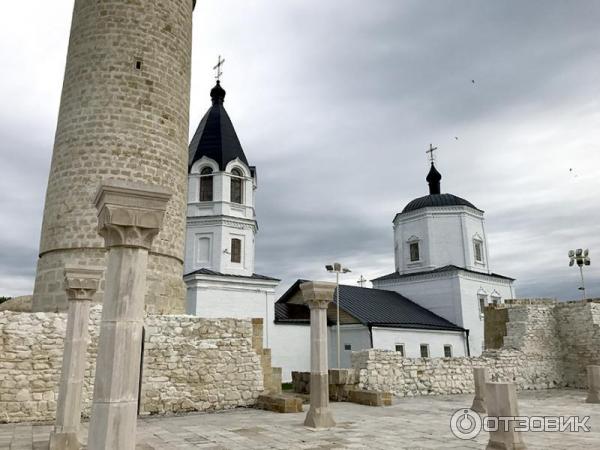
480,377
317,296
593,374
501,401
130,215
81,285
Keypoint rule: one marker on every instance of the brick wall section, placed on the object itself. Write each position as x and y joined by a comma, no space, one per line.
494,327
579,333
190,364
547,345
118,121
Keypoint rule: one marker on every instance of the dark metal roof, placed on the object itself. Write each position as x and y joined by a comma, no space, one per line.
437,200
215,136
254,276
448,268
288,312
371,307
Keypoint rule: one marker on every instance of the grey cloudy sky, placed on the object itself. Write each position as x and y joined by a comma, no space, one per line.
336,102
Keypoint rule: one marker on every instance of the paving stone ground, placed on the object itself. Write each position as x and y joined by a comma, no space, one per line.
411,423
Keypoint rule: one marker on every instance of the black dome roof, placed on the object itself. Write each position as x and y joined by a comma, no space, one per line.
437,200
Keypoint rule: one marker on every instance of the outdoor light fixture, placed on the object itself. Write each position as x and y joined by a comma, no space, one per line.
337,269
582,258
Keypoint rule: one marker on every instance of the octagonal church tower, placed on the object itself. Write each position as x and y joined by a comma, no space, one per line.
124,114
442,260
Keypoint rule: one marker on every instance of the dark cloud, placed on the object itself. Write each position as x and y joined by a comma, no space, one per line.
335,103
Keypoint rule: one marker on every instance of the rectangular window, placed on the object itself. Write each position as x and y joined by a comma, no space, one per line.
478,252
236,250
424,350
447,351
400,349
481,304
414,251
347,346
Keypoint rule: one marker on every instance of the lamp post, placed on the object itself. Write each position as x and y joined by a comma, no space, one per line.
581,257
337,269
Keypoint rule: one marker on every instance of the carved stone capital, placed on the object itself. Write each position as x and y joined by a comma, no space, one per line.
317,294
82,284
130,214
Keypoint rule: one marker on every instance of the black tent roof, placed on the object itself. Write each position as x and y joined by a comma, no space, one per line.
215,136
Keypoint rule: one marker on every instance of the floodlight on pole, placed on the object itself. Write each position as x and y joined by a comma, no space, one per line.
581,258
337,269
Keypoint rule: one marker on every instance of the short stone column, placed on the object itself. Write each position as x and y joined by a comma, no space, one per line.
501,401
593,375
318,295
130,215
81,285
480,377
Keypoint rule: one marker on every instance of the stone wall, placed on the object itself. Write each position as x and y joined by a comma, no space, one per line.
384,370
190,364
579,332
545,344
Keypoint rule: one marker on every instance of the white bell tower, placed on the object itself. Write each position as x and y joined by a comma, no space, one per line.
221,223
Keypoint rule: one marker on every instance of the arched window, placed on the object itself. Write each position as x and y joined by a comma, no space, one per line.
206,185
236,186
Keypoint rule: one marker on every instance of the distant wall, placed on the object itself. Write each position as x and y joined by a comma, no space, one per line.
290,344
190,364
546,345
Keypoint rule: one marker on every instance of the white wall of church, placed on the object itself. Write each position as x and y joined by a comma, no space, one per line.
290,348
455,297
388,338
471,288
231,298
356,336
445,236
440,295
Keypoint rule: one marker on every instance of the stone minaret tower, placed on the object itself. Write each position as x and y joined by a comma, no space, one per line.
124,114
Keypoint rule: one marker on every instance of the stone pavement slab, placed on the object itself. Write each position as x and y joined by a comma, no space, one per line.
411,423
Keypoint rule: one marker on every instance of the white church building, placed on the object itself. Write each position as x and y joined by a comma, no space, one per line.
430,306
221,224
442,260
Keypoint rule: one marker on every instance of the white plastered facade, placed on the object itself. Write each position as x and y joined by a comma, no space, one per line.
447,235
233,291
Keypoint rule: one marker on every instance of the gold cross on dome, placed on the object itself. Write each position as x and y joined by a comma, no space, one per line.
220,63
430,151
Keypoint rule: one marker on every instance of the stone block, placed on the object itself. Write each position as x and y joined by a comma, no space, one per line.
275,387
480,377
341,376
593,374
501,401
370,398
279,403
